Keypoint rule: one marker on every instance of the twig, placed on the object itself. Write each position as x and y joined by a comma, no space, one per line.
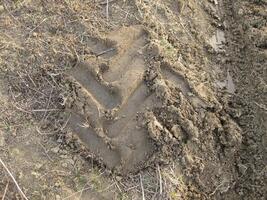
118,8
107,188
48,133
45,151
21,109
78,192
261,106
117,185
181,23
45,110
31,80
47,106
65,124
105,51
160,180
81,193
142,187
105,2
14,180
131,188
30,32
107,8
217,188
4,195
77,61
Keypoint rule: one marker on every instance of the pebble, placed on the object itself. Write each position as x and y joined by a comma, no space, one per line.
55,149
2,8
65,165
34,34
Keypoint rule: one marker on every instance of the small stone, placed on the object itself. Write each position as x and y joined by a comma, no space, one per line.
2,8
70,161
14,133
65,165
38,166
118,178
190,94
59,140
55,149
57,184
63,156
177,132
34,34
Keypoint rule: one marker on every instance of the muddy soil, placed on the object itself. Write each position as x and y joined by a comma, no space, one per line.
133,99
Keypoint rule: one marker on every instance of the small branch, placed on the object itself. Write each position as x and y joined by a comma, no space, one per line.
81,193
14,180
160,181
4,195
78,192
105,51
47,106
45,151
21,109
107,8
45,110
117,185
142,188
261,106
30,32
105,2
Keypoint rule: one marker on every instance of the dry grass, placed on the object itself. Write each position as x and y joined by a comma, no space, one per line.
14,180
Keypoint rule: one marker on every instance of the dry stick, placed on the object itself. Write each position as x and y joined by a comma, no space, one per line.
105,51
46,110
14,180
21,109
117,185
261,106
81,193
107,6
160,181
78,192
118,8
105,2
142,188
30,32
47,106
45,151
4,195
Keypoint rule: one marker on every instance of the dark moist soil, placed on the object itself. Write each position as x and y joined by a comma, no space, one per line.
247,54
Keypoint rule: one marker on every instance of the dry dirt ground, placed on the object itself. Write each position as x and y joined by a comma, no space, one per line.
133,99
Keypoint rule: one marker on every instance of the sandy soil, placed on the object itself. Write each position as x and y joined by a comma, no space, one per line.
133,99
